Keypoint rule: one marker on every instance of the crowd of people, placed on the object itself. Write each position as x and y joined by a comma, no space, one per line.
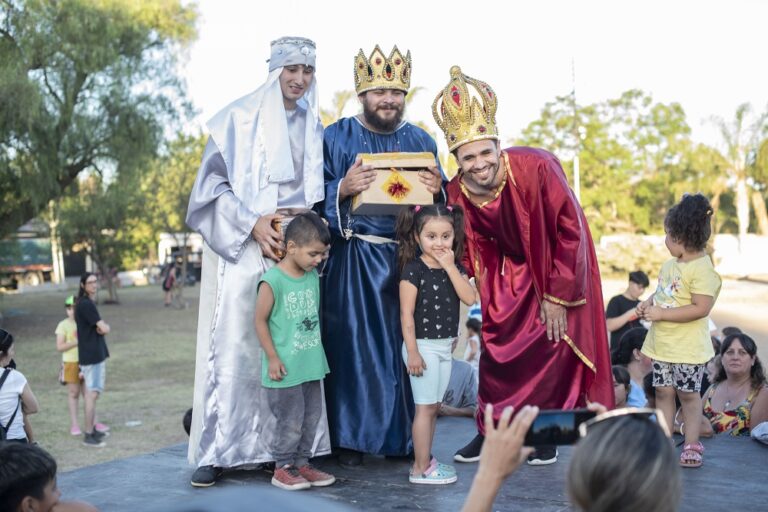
323,330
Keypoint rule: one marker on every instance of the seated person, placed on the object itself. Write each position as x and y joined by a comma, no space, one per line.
472,351
620,385
460,397
28,481
638,364
738,398
617,452
620,313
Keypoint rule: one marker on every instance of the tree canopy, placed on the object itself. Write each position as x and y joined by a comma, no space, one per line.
85,85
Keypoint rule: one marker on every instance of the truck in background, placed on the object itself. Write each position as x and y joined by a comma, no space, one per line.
26,261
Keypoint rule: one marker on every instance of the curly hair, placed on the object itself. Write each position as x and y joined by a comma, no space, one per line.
688,222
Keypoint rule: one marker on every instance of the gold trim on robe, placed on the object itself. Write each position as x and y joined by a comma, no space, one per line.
579,353
565,303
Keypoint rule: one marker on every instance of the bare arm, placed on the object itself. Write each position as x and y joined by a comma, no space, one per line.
28,401
699,307
62,345
502,454
473,348
265,300
464,412
102,327
408,292
620,321
460,282
759,412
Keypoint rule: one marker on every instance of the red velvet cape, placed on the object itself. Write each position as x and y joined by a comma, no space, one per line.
532,242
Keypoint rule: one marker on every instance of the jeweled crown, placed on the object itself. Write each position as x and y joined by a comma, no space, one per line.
380,72
462,116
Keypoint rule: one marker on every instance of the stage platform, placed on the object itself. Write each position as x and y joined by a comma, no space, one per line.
732,478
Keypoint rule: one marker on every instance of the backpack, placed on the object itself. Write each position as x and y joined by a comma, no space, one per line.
4,429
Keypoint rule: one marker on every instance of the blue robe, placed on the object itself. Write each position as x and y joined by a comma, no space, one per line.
368,395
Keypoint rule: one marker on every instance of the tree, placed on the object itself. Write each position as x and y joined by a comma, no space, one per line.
630,151
85,86
328,116
92,217
742,137
166,188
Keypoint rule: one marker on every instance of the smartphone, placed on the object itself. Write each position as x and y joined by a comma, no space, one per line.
557,427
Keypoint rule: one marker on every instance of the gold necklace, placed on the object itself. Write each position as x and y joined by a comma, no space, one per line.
729,394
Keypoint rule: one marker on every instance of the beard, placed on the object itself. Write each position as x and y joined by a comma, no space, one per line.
377,122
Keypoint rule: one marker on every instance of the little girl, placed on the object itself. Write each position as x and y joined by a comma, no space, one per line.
678,341
66,343
431,285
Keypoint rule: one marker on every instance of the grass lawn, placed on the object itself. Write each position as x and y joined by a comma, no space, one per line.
150,373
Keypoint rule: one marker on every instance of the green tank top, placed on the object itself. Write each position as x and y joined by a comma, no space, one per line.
294,324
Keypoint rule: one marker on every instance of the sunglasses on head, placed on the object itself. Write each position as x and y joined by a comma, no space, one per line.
640,413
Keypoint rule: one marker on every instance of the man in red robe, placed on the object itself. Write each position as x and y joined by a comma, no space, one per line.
531,253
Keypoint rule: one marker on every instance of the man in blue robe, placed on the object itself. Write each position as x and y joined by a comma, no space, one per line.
370,407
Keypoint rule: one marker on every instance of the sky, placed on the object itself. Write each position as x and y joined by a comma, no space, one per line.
709,56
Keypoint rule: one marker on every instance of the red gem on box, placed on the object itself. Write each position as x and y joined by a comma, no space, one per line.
360,66
481,129
378,61
397,62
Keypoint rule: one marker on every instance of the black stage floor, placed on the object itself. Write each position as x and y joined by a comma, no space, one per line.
733,478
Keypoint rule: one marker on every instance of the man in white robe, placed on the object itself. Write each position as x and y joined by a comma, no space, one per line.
263,161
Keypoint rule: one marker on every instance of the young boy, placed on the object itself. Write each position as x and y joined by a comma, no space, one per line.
28,481
293,361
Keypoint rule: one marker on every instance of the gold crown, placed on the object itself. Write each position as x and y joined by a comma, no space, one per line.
461,116
380,72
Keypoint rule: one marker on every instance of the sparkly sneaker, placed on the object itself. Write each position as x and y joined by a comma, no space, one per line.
101,428
445,467
289,478
315,477
436,474
75,430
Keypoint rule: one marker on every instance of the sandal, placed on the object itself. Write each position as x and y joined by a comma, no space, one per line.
691,457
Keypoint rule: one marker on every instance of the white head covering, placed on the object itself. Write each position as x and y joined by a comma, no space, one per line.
252,132
288,51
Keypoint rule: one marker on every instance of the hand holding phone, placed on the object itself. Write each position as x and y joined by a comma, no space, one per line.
557,427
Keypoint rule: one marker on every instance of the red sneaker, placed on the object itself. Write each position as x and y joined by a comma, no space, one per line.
315,477
288,478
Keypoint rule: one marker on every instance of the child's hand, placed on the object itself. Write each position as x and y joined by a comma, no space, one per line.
276,369
416,364
640,309
652,314
445,257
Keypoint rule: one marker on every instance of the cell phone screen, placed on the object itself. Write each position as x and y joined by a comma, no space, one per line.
557,427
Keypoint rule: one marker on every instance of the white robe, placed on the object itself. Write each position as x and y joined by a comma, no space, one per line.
231,422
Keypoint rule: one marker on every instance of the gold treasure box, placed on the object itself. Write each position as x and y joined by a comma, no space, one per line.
397,183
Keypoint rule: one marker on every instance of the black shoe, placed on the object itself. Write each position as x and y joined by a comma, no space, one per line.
471,452
350,458
205,476
93,440
99,435
543,456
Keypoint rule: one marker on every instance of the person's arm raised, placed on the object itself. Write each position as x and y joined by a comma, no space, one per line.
502,454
